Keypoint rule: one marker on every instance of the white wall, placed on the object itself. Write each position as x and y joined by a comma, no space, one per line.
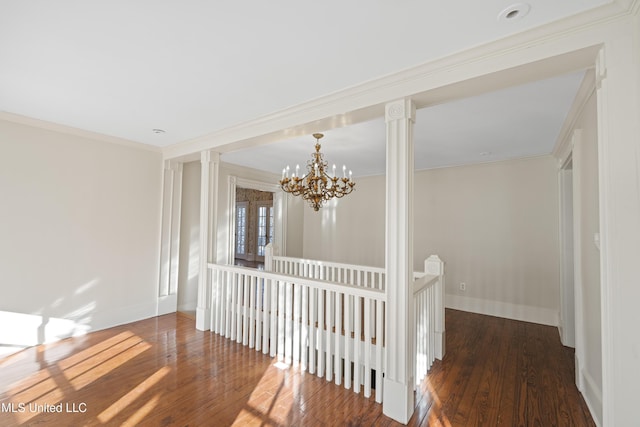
188,270
495,225
350,229
296,208
79,227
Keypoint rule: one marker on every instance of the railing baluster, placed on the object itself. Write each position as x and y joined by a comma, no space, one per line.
245,310
240,287
432,331
321,355
228,304
357,340
367,347
258,313
281,319
329,340
296,323
347,341
266,299
288,334
312,330
252,316
273,316
304,338
379,347
338,335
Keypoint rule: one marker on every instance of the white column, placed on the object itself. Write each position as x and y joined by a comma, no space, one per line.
618,95
398,382
210,163
170,238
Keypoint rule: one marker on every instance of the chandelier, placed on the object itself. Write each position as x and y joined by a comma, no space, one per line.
317,186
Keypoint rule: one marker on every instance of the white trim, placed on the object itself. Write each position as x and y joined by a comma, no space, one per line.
167,304
592,396
576,156
103,319
170,237
567,320
232,184
279,205
69,130
563,146
209,182
525,313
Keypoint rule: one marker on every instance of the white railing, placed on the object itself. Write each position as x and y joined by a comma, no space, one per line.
358,275
326,317
428,309
428,292
315,323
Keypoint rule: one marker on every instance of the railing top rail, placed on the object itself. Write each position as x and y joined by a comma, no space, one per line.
331,264
424,281
375,294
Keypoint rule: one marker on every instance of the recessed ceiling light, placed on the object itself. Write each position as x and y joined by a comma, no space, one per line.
157,131
514,12
486,153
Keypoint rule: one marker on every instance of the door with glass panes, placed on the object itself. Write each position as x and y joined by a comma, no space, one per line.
265,228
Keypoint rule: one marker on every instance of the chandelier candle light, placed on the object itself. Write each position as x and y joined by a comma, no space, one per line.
316,186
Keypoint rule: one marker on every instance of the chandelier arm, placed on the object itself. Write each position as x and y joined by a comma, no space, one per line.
316,186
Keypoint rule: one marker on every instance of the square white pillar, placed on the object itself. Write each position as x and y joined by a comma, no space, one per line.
210,164
398,388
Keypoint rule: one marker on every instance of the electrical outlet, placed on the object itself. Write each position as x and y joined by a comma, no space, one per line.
463,286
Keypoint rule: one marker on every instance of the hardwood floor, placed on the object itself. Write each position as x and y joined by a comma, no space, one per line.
163,372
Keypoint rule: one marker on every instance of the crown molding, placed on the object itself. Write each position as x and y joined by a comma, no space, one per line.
631,6
242,171
68,130
428,83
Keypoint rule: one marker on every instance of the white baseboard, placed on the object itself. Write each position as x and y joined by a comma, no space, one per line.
34,329
526,313
592,396
189,306
121,315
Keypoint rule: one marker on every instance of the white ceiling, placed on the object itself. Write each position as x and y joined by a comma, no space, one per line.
522,121
123,68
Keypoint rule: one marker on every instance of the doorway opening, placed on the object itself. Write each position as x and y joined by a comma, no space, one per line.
567,284
254,226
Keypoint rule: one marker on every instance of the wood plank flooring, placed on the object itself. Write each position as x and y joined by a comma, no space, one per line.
163,372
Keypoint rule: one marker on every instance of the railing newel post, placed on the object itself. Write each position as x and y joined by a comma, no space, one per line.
434,265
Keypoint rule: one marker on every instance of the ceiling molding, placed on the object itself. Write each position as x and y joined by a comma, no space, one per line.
586,90
68,130
366,100
258,175
631,6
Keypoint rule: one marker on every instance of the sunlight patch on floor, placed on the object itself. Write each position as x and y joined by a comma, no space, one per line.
44,387
122,403
93,350
45,392
138,416
265,407
101,364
